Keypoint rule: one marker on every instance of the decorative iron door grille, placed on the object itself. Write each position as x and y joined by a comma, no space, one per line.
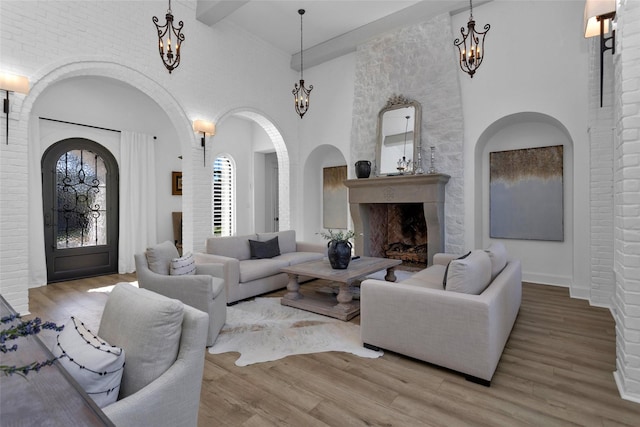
82,202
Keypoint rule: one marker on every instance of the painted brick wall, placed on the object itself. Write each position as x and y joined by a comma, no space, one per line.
601,133
404,62
627,200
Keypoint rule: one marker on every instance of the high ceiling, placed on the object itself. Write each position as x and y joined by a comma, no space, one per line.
330,28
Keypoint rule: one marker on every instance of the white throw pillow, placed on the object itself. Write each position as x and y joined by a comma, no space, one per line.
95,364
470,275
498,256
185,265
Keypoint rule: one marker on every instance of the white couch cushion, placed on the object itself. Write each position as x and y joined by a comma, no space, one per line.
153,325
294,258
159,257
95,364
253,269
498,256
185,265
232,246
286,240
470,275
430,277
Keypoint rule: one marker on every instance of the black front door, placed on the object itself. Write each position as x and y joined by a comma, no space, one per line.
80,199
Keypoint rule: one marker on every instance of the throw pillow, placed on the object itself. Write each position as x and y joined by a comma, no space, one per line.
446,270
95,364
159,257
148,327
185,265
498,256
470,275
286,240
268,249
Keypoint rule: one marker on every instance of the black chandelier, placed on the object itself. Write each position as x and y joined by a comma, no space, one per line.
301,93
471,47
170,59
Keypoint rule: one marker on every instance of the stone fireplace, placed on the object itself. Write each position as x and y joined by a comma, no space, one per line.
399,217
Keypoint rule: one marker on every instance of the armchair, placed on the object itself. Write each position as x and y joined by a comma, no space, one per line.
203,290
164,343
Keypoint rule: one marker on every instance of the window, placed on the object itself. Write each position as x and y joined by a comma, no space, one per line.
223,197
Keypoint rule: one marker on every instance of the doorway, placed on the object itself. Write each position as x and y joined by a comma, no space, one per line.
80,201
272,203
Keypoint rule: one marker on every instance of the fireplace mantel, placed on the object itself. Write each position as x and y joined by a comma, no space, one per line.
428,189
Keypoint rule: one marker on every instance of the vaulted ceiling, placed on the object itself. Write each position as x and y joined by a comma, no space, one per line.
330,28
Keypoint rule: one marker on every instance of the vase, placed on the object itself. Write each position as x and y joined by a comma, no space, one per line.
363,168
339,253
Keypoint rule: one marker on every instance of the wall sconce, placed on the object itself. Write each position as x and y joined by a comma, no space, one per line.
12,83
598,20
206,128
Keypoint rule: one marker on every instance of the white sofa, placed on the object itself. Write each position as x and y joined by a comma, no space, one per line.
463,326
245,276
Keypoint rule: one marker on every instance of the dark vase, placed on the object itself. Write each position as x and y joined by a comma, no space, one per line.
363,168
339,253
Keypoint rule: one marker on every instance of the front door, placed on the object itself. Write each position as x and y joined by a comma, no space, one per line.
80,199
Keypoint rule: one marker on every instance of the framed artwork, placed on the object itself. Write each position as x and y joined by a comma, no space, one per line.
526,194
176,183
334,197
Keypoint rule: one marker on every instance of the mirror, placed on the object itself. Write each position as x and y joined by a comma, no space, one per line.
398,137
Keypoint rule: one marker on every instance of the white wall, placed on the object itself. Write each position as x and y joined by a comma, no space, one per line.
530,69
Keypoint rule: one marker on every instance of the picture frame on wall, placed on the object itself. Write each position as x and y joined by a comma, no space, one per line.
526,192
176,183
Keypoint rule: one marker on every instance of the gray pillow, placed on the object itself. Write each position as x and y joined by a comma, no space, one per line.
148,327
446,270
159,257
286,240
261,250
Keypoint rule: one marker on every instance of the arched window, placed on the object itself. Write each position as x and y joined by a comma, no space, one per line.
223,197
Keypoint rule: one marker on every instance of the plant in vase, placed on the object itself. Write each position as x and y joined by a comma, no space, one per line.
339,247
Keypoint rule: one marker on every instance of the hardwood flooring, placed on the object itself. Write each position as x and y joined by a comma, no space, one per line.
556,370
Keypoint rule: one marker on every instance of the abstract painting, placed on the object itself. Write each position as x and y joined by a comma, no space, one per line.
526,194
334,197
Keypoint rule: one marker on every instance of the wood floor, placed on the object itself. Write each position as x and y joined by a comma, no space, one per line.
556,370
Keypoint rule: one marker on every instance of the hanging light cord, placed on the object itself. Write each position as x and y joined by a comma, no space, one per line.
471,9
301,66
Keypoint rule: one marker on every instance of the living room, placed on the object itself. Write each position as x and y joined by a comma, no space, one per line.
96,63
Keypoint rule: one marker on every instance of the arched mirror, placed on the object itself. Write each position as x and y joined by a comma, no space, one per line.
398,138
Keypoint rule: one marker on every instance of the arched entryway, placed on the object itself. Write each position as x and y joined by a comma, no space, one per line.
80,207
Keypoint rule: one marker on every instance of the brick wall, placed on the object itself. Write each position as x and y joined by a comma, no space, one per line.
627,199
400,63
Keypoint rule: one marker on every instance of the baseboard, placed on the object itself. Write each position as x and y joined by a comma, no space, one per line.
547,279
630,397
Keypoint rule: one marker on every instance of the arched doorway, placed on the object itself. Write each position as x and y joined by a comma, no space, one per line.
80,206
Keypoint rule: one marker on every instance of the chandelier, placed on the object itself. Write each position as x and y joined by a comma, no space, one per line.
170,59
471,47
301,93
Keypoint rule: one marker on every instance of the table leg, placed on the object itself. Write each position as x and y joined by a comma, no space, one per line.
293,287
344,297
391,275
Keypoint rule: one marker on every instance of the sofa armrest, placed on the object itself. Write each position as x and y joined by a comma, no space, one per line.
449,329
311,247
214,269
444,259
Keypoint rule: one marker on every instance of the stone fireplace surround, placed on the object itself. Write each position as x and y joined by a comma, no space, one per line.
428,189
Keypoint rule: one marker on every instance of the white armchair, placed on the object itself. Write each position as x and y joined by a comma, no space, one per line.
164,344
204,290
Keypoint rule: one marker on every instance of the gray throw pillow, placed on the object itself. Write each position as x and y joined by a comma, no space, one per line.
446,270
261,250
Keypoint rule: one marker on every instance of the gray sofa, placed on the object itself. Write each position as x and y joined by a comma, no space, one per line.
245,276
463,326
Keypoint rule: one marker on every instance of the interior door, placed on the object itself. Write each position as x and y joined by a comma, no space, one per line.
80,200
271,192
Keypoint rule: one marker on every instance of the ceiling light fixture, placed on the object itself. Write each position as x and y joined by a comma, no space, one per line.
12,83
301,93
471,53
598,20
171,60
206,128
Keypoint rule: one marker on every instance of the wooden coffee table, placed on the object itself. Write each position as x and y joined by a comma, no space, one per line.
342,307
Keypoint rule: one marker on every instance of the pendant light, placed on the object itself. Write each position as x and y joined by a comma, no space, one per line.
471,47
170,59
301,93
